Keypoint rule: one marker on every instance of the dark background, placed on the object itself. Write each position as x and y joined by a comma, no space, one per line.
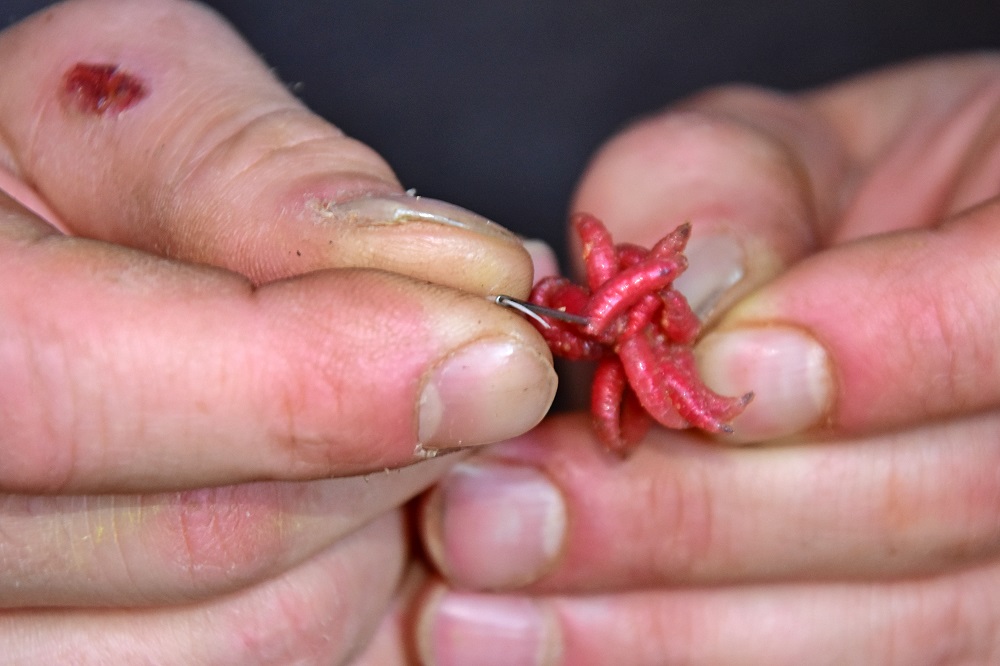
496,105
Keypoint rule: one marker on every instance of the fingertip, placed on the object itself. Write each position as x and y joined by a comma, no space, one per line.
459,628
543,258
527,507
786,370
483,392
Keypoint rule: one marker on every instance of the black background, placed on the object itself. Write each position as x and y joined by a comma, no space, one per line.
497,105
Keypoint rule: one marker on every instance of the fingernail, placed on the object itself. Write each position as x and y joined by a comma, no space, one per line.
543,258
493,526
463,629
787,369
394,209
715,265
485,392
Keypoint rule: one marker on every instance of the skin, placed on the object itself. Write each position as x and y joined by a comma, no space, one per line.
135,529
215,389
862,525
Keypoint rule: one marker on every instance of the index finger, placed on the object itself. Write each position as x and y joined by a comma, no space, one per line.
887,330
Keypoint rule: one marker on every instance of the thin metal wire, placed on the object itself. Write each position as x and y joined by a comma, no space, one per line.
536,312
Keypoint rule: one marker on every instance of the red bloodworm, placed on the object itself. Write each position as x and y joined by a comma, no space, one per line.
681,360
627,288
645,376
673,243
641,315
566,342
606,402
641,331
630,255
619,420
678,322
635,422
560,294
599,255
667,383
563,338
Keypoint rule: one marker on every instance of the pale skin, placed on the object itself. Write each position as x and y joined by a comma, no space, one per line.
864,227
180,414
204,455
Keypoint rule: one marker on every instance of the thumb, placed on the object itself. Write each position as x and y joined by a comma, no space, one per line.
153,125
875,334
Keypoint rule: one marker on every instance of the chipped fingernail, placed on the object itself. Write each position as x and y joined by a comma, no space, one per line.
487,391
494,526
393,209
786,368
715,265
466,629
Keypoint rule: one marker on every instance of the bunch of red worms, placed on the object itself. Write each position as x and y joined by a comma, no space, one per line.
640,331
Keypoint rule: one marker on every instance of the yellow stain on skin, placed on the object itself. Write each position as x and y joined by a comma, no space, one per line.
111,517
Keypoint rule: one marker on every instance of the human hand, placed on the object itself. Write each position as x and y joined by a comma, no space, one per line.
173,400
855,229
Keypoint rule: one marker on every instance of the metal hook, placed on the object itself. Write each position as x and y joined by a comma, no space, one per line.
536,312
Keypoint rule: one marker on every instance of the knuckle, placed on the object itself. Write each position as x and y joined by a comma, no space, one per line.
683,505
953,620
311,411
287,627
224,537
322,612
46,417
946,500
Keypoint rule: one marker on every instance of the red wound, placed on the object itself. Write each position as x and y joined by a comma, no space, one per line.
101,88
